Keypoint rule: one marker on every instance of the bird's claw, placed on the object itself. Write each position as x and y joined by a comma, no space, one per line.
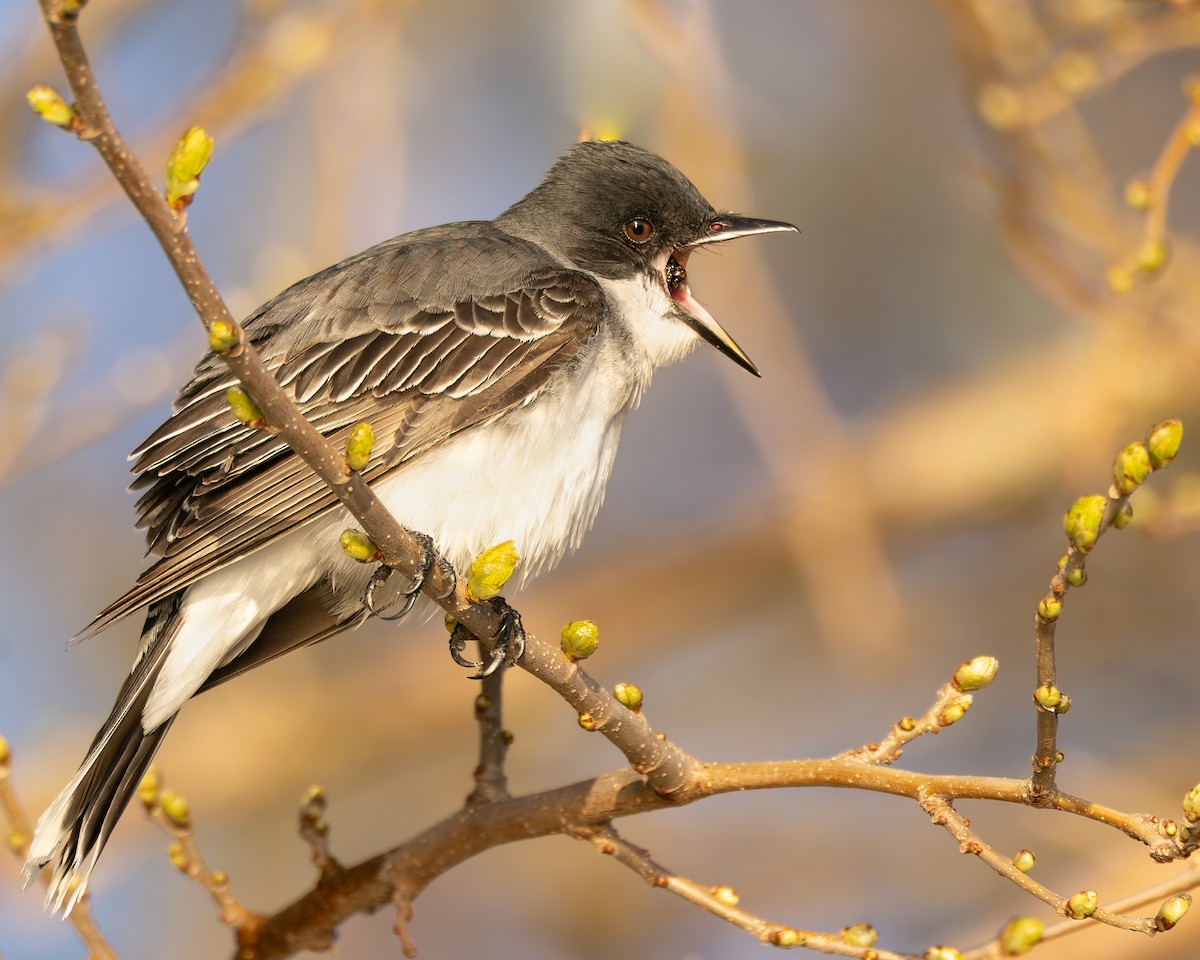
510,642
408,598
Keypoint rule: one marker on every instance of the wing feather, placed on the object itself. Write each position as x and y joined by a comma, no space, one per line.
422,336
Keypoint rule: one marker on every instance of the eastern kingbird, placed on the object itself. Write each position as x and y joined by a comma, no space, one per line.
496,362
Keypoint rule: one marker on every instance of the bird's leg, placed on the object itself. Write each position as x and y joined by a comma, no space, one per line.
510,642
429,557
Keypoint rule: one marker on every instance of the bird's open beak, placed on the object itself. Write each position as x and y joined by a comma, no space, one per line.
725,227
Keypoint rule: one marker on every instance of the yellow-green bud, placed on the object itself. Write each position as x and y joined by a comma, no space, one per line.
175,807
860,935
1048,697
244,407
942,953
907,724
5,753
580,639
490,571
1082,905
178,858
1059,756
1152,257
223,336
1082,522
185,165
955,710
1024,860
49,104
587,721
1132,467
726,895
786,937
1120,279
1172,911
1064,707
358,546
1020,935
1074,71
1168,828
976,674
450,622
1062,563
1000,107
359,447
1123,515
1050,608
220,878
1137,194
1077,575
17,840
148,788
628,696
1162,442
1191,804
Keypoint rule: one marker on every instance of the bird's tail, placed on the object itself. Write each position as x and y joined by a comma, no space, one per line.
74,828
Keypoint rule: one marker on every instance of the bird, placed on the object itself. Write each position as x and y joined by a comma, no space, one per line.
496,362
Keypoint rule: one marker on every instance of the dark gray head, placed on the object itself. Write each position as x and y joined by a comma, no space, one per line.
619,211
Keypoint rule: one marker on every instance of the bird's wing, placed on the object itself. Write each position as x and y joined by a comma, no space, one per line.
422,336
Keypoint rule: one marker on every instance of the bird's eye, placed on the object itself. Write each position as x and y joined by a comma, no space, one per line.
639,229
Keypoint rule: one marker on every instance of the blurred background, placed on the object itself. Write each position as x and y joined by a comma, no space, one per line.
785,566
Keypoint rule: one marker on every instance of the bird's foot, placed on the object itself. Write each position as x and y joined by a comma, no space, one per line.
510,642
406,600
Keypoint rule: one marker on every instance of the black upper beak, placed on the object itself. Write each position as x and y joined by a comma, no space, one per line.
729,226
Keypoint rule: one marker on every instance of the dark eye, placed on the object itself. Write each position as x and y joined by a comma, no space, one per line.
639,229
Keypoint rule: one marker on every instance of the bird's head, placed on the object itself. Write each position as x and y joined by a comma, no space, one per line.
618,211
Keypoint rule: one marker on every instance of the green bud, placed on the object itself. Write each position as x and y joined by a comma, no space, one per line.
1138,194
48,104
185,165
1024,860
148,789
955,710
1048,697
223,336
726,895
450,622
1152,256
358,546
1132,467
1172,911
359,447
587,721
1020,935
244,407
175,807
1191,804
1168,828
1077,576
628,696
1162,442
1050,608
580,639
1064,706
942,953
786,937
976,674
860,935
1082,905
490,571
1082,522
1123,516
